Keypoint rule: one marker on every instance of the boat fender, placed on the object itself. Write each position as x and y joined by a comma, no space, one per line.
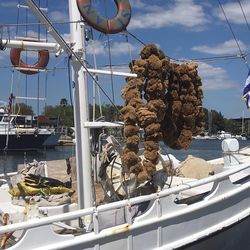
42,62
107,26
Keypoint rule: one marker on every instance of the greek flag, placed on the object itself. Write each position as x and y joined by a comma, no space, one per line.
246,91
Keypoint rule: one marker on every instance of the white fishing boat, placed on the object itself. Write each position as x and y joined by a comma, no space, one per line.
206,206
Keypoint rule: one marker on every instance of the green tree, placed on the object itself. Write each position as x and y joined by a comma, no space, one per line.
23,109
64,102
109,112
218,121
206,120
63,111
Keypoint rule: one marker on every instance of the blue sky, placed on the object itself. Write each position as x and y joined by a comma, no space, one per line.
183,29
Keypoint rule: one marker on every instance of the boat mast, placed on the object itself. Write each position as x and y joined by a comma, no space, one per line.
77,53
83,159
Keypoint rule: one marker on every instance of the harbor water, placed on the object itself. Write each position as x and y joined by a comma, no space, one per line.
206,149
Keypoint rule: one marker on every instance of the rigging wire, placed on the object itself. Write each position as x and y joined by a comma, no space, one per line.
36,23
38,75
69,82
26,54
136,38
231,29
129,49
110,61
18,13
243,12
46,73
139,40
203,59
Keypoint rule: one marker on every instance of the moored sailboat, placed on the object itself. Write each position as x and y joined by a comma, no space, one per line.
17,132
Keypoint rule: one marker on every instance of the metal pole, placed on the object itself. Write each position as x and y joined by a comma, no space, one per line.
83,158
32,45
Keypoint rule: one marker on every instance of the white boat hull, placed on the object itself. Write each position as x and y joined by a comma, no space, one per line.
206,221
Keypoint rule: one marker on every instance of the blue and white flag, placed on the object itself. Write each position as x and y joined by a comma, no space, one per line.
246,91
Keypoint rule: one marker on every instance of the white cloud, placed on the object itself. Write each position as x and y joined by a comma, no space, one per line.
59,16
116,49
1,57
214,78
184,13
120,68
228,47
137,4
233,12
8,4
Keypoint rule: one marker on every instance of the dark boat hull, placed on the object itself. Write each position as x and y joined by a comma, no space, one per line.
28,141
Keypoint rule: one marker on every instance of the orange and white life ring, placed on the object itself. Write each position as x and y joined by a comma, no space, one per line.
42,62
107,26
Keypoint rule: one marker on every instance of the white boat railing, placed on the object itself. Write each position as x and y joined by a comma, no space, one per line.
8,174
94,211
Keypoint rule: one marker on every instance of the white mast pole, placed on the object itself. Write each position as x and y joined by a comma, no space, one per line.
83,159
77,52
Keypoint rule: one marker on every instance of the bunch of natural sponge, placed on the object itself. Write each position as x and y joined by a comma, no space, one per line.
165,100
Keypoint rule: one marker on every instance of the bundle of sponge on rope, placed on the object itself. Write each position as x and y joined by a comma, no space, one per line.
165,100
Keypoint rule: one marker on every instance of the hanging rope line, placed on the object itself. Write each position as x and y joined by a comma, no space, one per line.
231,29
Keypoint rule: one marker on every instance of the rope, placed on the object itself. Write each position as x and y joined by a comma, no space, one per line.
236,41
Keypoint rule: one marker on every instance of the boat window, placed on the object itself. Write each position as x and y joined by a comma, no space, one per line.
20,120
6,119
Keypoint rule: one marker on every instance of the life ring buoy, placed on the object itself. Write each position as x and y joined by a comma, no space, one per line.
42,62
107,26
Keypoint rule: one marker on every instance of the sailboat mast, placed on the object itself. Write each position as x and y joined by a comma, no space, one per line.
243,123
83,159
